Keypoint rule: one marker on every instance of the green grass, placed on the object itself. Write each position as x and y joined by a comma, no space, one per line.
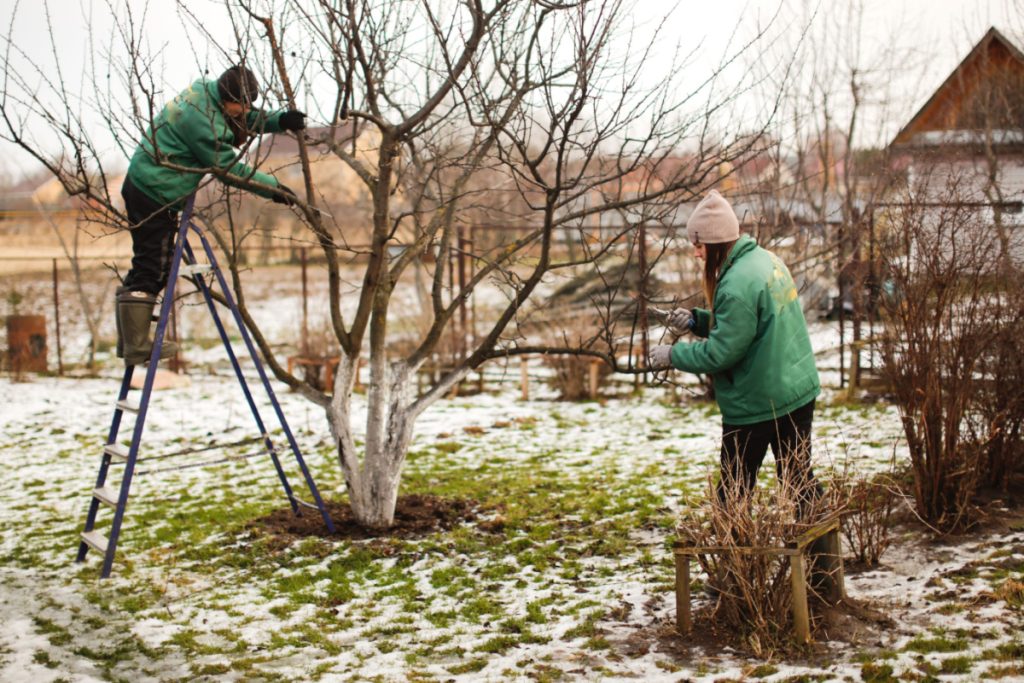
445,604
940,644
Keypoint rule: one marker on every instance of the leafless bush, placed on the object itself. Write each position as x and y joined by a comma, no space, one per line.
753,588
998,431
318,343
943,331
869,503
572,374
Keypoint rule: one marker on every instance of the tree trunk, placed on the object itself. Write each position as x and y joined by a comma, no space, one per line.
373,482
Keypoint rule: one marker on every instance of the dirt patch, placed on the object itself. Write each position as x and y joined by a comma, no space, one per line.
415,515
853,622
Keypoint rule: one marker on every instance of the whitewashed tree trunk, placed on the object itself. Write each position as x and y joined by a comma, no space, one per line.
372,477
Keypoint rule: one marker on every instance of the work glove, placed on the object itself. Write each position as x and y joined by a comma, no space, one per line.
680,321
284,195
658,357
293,120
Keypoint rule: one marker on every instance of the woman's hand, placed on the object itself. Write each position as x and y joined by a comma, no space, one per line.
680,321
659,357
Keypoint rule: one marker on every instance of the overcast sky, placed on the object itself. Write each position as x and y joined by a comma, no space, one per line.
940,31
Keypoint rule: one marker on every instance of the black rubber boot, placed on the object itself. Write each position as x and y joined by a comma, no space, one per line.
134,315
826,568
117,321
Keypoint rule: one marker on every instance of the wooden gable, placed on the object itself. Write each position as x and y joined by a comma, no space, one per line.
985,91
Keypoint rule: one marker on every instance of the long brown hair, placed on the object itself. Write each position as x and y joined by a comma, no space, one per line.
716,255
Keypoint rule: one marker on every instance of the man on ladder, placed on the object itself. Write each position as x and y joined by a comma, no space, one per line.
198,132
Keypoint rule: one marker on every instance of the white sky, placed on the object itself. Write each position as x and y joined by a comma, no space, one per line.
940,32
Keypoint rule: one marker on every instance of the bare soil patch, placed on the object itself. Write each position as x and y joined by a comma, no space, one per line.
852,621
415,515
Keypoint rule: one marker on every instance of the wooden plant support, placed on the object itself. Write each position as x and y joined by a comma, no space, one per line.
593,376
795,550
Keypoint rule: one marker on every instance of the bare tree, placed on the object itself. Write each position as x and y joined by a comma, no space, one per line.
539,113
847,88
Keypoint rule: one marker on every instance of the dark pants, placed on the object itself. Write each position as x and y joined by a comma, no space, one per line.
153,229
744,448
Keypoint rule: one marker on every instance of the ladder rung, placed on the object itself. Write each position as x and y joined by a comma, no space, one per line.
128,406
188,270
106,495
304,504
95,540
116,451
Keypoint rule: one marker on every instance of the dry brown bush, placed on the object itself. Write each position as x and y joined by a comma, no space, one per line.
753,593
998,431
951,353
869,504
571,373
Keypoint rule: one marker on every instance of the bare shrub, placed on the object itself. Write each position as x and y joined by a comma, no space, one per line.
318,344
869,503
943,259
571,373
753,590
998,431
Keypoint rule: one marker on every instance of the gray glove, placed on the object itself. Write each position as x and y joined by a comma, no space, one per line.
680,321
659,357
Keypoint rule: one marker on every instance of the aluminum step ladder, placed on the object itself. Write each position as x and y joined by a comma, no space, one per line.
114,495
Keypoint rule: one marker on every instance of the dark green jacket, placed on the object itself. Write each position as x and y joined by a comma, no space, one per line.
193,131
756,345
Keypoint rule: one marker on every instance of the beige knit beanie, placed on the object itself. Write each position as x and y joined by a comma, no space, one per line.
713,221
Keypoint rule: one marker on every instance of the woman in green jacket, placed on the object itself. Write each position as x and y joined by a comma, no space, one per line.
754,344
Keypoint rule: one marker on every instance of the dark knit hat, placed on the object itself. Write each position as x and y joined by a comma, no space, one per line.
238,84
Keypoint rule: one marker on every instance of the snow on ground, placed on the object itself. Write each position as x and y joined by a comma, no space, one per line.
577,587
182,606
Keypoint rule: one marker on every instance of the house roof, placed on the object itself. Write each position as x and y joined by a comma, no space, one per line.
994,58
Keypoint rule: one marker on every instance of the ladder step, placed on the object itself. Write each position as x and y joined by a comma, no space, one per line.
128,406
303,504
189,270
106,495
95,540
116,451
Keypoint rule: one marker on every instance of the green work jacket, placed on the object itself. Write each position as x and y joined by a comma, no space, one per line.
192,131
755,344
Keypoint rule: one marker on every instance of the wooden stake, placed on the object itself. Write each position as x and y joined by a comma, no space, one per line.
524,379
801,618
683,621
595,366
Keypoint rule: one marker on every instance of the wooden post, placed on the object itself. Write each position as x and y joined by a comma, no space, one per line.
683,620
305,305
471,247
595,366
645,342
798,578
524,379
56,320
463,321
